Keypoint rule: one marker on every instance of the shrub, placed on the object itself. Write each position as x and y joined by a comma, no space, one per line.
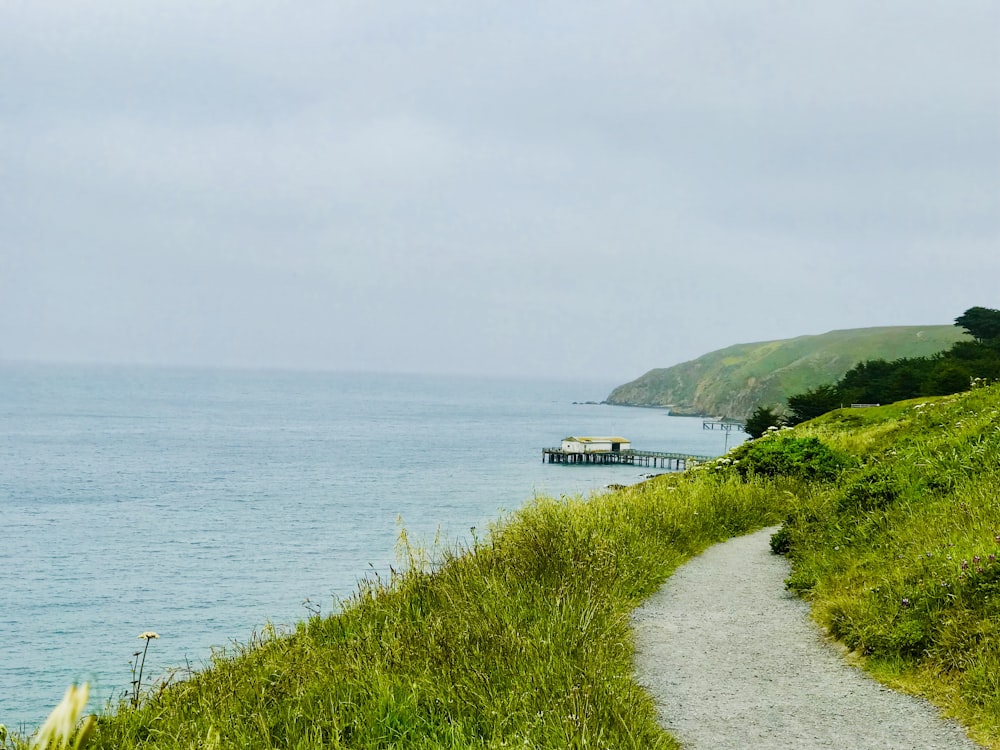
875,488
781,541
798,458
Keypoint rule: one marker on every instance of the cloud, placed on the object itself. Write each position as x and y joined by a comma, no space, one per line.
457,181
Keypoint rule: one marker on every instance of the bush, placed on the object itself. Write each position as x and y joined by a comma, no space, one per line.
798,458
875,488
781,541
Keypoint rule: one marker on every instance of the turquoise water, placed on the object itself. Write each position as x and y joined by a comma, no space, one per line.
203,504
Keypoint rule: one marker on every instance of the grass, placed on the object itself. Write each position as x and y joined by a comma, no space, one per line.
523,640
735,380
899,556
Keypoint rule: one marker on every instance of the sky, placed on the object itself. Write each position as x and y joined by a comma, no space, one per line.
585,189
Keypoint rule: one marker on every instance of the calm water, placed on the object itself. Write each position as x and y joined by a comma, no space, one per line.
202,504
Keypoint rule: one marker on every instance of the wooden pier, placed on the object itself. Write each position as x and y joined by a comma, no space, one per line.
723,424
656,459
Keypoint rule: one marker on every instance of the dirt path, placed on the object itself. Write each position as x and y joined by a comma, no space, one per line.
733,661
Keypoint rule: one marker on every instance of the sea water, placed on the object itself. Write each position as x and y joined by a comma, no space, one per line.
204,504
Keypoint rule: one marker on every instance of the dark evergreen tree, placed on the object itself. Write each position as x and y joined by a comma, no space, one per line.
982,323
762,418
866,382
813,403
949,376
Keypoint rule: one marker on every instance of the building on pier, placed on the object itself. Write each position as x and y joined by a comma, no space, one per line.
616,450
595,444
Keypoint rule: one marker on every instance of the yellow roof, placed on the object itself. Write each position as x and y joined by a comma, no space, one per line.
599,439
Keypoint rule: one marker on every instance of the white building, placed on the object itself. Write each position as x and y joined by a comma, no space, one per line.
595,444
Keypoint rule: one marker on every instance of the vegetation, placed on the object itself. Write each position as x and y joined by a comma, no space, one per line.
733,381
890,521
982,323
521,641
763,419
899,556
880,382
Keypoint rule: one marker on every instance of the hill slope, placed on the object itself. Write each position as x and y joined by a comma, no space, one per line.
732,381
889,519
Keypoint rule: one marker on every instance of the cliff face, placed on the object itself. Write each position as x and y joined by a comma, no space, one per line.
731,382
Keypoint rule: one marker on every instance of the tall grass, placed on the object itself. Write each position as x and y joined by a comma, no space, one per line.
891,521
901,556
523,640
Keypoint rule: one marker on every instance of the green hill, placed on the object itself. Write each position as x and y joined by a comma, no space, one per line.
732,381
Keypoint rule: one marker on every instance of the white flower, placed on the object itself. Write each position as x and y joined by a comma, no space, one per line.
58,729
147,635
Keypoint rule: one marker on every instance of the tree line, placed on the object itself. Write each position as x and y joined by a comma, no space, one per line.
877,381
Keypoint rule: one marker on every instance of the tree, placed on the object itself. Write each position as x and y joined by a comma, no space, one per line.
866,382
812,403
949,376
762,418
982,323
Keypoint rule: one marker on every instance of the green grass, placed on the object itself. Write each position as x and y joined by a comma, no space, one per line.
523,640
735,380
899,557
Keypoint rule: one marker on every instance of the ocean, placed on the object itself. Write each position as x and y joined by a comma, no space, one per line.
203,504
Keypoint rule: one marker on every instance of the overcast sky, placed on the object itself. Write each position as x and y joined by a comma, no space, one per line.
544,188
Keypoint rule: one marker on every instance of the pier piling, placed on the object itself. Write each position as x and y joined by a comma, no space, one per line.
655,459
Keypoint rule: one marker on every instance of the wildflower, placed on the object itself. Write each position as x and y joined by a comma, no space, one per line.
905,603
137,683
965,564
59,728
992,558
975,559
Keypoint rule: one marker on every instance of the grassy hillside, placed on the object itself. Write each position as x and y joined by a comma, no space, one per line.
732,381
900,557
890,521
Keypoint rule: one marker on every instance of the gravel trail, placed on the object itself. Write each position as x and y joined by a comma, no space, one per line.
733,661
